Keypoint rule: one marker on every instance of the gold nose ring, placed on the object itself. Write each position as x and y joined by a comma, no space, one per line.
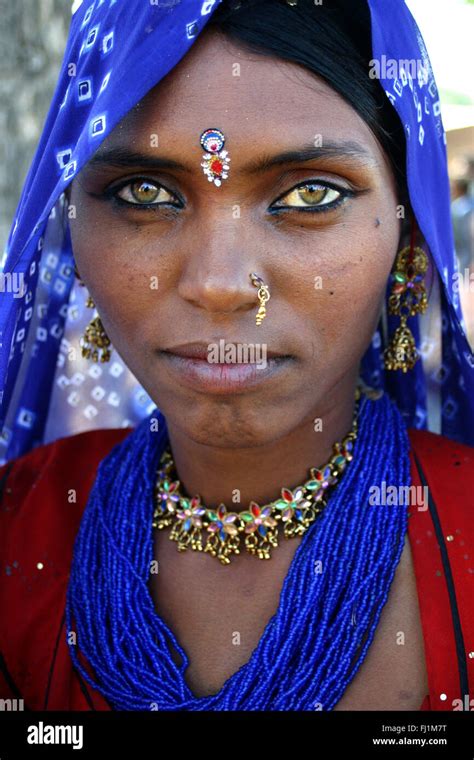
263,296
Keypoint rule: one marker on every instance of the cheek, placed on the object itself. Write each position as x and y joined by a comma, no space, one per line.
341,289
118,267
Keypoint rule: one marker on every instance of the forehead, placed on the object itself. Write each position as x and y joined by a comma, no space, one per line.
257,101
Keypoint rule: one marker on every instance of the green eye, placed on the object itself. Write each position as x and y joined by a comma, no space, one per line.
143,192
311,194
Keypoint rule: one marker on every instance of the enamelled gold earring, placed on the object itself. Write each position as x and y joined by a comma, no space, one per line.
215,163
95,342
407,298
263,296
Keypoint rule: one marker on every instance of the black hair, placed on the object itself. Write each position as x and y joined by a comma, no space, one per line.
332,40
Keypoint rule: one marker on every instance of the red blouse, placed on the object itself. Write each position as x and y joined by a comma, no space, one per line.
43,494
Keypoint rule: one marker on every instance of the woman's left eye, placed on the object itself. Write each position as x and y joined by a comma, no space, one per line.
143,192
312,196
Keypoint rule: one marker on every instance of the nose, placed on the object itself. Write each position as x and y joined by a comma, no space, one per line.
216,275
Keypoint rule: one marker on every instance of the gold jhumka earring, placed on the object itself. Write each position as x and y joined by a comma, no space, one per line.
407,298
95,342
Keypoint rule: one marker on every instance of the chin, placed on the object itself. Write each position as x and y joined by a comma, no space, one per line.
224,424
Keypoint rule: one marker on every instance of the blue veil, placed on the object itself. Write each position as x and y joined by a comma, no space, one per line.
116,52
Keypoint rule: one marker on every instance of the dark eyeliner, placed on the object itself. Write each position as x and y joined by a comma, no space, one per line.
344,194
110,195
120,203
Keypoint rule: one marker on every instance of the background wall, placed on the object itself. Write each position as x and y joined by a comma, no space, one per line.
32,39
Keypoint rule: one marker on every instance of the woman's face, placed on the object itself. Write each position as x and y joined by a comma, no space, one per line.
321,233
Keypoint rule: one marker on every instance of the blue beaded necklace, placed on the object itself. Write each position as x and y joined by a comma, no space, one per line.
330,603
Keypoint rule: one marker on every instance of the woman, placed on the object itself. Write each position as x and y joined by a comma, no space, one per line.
231,190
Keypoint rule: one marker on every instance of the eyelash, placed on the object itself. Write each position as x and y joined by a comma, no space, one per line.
111,195
344,193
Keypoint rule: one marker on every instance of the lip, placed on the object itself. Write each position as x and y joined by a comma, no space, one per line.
200,350
189,363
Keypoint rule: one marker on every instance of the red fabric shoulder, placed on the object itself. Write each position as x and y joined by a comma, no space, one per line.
441,533
42,497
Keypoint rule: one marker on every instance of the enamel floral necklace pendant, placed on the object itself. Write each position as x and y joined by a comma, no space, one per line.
222,533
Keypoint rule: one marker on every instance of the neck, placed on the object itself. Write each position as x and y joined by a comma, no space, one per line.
259,472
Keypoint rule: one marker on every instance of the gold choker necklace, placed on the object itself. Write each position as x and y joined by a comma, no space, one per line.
256,528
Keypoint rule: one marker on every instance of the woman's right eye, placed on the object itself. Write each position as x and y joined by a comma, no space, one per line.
143,192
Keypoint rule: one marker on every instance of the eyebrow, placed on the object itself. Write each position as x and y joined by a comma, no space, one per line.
300,155
124,158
